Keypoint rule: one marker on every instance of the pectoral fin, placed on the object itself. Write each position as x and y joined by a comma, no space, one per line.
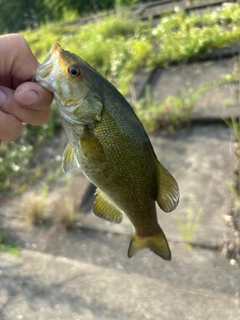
69,160
91,146
168,192
105,209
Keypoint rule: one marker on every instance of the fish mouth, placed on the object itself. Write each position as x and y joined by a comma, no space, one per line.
46,72
48,63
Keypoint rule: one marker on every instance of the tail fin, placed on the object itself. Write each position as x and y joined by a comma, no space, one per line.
157,243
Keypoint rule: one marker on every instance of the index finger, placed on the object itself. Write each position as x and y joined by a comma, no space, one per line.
16,57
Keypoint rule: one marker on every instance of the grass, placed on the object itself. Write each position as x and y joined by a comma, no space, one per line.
234,124
65,211
7,245
66,207
116,47
175,111
188,227
36,208
120,45
180,36
32,207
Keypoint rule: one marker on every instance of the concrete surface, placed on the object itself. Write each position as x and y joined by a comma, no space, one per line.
195,285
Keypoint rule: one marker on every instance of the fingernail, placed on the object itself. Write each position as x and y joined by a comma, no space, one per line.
29,98
3,98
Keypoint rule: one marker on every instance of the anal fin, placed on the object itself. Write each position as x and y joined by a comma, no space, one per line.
105,209
168,192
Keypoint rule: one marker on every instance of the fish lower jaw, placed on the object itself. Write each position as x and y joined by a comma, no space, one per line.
42,82
74,121
71,106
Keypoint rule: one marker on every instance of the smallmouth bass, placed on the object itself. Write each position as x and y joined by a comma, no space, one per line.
108,142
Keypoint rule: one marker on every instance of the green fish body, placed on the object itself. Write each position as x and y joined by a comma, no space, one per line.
108,142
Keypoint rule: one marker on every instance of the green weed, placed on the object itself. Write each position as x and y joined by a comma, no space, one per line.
120,45
181,35
172,113
7,245
33,205
176,111
189,225
65,208
234,123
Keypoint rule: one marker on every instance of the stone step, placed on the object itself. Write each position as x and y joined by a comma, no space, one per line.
185,79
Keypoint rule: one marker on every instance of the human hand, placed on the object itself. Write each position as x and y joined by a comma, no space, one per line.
20,101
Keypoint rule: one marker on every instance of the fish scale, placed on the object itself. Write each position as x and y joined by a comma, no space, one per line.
108,142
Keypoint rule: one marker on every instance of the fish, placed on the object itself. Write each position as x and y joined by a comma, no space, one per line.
107,141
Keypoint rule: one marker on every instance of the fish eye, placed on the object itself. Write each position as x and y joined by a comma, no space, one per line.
74,71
